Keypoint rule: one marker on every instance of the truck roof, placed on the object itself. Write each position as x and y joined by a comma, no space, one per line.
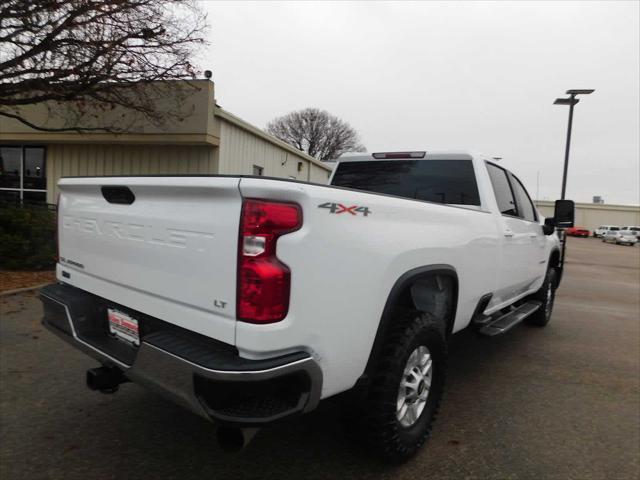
417,155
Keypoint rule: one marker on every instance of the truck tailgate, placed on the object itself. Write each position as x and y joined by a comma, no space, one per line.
171,253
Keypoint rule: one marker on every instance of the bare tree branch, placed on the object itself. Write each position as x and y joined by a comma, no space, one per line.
317,133
96,54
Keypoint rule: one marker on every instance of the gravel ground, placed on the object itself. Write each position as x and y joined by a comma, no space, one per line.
561,402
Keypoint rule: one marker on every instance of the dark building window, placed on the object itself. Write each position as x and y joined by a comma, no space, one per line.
257,170
23,174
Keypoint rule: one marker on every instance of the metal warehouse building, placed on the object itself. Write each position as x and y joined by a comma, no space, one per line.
208,140
592,215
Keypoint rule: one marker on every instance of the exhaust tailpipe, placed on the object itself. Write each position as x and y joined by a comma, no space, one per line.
105,379
233,439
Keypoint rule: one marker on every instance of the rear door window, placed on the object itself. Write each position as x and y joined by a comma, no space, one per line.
502,190
440,181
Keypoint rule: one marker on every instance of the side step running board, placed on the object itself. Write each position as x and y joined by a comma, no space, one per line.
506,322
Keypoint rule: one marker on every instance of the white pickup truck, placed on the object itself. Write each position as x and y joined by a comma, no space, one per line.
250,299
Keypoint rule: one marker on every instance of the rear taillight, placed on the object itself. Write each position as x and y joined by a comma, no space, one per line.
264,282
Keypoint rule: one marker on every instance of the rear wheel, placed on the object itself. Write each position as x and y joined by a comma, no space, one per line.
546,295
406,387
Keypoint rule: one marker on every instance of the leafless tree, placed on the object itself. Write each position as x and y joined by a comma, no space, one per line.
97,55
317,133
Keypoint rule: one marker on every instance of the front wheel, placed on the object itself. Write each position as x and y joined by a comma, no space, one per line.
406,387
546,295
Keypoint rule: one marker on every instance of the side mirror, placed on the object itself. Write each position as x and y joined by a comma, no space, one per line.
563,217
564,213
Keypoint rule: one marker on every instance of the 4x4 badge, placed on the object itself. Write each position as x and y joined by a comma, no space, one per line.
338,208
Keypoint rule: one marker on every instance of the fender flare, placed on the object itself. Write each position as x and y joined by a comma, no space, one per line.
400,285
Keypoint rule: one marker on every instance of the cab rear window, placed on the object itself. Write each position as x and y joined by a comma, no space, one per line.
439,181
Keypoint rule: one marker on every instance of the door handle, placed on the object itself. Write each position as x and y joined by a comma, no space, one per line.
533,235
508,232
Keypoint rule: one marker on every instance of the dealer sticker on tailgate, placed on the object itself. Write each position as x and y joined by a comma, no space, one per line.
123,326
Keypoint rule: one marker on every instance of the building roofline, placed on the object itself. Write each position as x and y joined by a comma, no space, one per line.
233,119
597,206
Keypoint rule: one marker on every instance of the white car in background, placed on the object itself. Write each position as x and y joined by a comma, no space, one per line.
634,229
602,229
620,237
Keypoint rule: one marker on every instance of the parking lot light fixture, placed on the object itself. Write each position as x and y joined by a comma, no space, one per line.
580,91
565,101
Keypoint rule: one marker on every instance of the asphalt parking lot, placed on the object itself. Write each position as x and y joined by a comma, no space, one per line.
560,402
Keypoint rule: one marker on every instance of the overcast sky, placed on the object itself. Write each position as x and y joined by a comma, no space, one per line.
431,76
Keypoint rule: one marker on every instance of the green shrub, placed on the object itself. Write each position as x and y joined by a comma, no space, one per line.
27,237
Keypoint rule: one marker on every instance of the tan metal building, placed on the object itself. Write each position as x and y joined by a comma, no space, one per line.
592,215
208,140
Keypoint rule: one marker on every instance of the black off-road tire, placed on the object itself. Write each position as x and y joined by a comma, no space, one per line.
378,422
546,295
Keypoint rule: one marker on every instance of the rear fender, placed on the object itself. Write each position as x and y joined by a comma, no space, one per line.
432,288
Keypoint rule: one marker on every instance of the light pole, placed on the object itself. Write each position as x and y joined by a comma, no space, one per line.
571,101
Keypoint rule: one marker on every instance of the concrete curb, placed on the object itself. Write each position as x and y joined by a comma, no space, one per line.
6,293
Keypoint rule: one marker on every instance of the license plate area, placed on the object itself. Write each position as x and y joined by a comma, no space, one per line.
123,326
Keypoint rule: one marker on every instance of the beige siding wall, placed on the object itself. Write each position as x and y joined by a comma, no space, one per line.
240,150
319,175
68,160
591,216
